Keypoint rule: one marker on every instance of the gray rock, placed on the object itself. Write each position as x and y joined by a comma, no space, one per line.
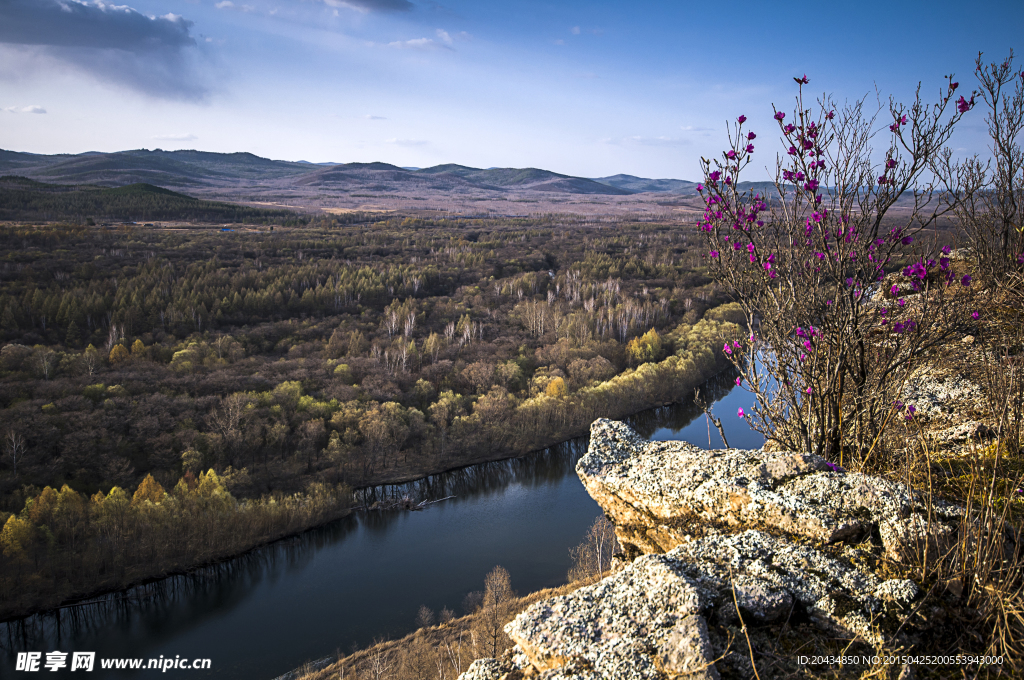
935,393
686,651
902,591
654,492
483,669
633,625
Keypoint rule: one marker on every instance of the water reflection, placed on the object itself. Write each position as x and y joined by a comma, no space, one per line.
348,582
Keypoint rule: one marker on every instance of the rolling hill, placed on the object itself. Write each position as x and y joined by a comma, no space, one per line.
26,199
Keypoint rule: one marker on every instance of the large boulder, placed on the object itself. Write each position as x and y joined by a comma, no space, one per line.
661,494
717,542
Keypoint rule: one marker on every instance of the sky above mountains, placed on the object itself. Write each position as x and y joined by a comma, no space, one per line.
582,88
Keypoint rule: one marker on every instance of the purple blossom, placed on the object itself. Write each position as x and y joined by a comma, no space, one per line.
740,413
966,280
739,381
975,315
751,136
810,390
731,154
726,348
742,120
780,115
750,148
714,253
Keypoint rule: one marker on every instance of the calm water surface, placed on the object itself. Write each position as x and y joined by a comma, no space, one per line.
363,577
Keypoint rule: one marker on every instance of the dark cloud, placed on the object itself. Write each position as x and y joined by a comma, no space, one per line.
113,42
75,24
378,5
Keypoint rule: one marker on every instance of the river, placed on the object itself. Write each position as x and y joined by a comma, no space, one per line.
343,585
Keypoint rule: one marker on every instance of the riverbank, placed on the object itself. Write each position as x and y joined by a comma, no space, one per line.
119,524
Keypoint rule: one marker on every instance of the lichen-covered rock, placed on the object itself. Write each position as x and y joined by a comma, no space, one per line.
935,393
483,669
650,620
714,538
659,494
630,625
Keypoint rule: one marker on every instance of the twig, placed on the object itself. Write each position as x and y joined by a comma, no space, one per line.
743,626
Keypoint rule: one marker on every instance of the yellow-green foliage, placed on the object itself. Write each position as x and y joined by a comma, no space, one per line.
731,312
74,544
645,349
556,388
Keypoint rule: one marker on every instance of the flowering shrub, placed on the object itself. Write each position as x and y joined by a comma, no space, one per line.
841,293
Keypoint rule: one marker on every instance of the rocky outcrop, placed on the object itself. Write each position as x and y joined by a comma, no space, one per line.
662,494
717,540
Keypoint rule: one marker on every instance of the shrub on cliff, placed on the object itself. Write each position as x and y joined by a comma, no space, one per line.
842,293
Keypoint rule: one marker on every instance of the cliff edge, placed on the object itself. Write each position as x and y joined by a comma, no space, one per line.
723,552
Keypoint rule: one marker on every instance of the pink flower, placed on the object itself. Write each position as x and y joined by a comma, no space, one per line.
742,120
751,136
780,115
810,390
740,413
966,280
975,315
802,81
726,348
750,148
739,381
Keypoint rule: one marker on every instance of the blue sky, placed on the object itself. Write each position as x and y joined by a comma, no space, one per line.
584,88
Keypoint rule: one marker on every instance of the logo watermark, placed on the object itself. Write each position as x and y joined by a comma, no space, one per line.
32,662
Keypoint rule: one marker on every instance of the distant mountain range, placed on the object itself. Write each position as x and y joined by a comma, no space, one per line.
197,169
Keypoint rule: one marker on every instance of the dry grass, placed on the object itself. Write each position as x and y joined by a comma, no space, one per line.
442,651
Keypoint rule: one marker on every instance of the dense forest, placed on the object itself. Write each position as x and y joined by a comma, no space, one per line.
173,369
25,199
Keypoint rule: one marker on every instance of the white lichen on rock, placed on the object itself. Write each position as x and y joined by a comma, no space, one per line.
715,537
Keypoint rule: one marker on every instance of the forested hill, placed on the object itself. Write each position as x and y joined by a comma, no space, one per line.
202,169
25,199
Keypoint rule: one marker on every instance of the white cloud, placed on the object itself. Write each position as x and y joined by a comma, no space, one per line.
25,109
372,117
443,35
407,142
176,138
227,4
365,6
575,30
419,44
